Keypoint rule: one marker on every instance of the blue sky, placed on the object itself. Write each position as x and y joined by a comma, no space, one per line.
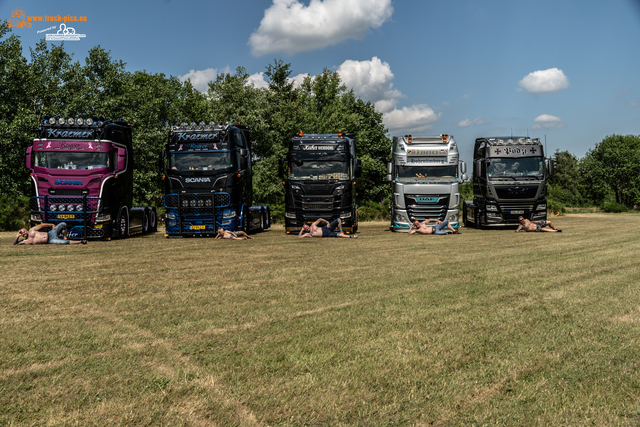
567,70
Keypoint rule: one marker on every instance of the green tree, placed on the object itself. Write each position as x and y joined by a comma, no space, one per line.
611,170
565,186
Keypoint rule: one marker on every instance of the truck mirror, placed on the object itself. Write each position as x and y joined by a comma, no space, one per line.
358,162
476,168
389,177
29,157
465,178
281,167
358,171
243,152
551,167
390,168
463,167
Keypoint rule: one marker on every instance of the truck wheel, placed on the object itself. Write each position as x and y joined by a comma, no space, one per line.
145,221
267,215
355,220
122,224
153,220
245,220
262,220
465,217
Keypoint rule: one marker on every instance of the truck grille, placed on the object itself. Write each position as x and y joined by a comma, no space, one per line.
50,208
318,190
517,192
195,202
421,207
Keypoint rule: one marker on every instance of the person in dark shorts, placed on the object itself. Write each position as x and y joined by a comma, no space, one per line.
314,230
536,226
423,228
56,236
228,234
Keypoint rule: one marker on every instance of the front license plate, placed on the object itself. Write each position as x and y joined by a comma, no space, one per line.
197,227
517,212
66,216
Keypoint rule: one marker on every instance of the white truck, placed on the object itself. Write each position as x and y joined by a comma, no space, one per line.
425,172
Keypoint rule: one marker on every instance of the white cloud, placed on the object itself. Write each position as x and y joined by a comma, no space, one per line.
371,81
258,80
547,121
544,81
297,80
289,26
416,118
633,103
467,122
200,79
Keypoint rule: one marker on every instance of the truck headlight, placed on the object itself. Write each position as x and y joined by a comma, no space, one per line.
339,190
290,215
170,216
492,208
542,207
453,218
36,217
400,218
103,217
229,214
345,215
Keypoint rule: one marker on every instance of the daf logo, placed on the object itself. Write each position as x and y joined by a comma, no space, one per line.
67,182
189,180
427,199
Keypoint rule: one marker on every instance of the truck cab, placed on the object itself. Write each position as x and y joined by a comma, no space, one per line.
82,174
319,175
208,181
509,180
425,173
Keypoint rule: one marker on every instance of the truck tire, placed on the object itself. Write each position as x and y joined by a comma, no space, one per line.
465,217
245,220
145,221
153,217
122,224
267,214
355,220
262,219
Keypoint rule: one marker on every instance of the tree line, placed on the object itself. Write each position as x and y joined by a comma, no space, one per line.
51,83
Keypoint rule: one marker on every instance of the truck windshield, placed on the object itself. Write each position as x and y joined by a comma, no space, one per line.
516,167
71,160
318,170
201,161
450,171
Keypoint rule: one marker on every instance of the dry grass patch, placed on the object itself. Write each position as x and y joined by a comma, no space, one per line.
488,327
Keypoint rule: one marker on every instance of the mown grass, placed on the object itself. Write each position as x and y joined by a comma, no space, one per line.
484,328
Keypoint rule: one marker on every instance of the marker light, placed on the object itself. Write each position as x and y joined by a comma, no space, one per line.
60,121
79,121
89,122
444,138
410,139
301,134
339,134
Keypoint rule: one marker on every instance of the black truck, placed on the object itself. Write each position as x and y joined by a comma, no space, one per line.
208,181
509,180
82,173
319,175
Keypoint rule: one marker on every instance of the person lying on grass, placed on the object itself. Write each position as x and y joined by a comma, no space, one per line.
228,234
314,230
423,228
56,236
536,226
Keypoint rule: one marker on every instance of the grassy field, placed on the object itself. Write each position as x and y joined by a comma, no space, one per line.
483,328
